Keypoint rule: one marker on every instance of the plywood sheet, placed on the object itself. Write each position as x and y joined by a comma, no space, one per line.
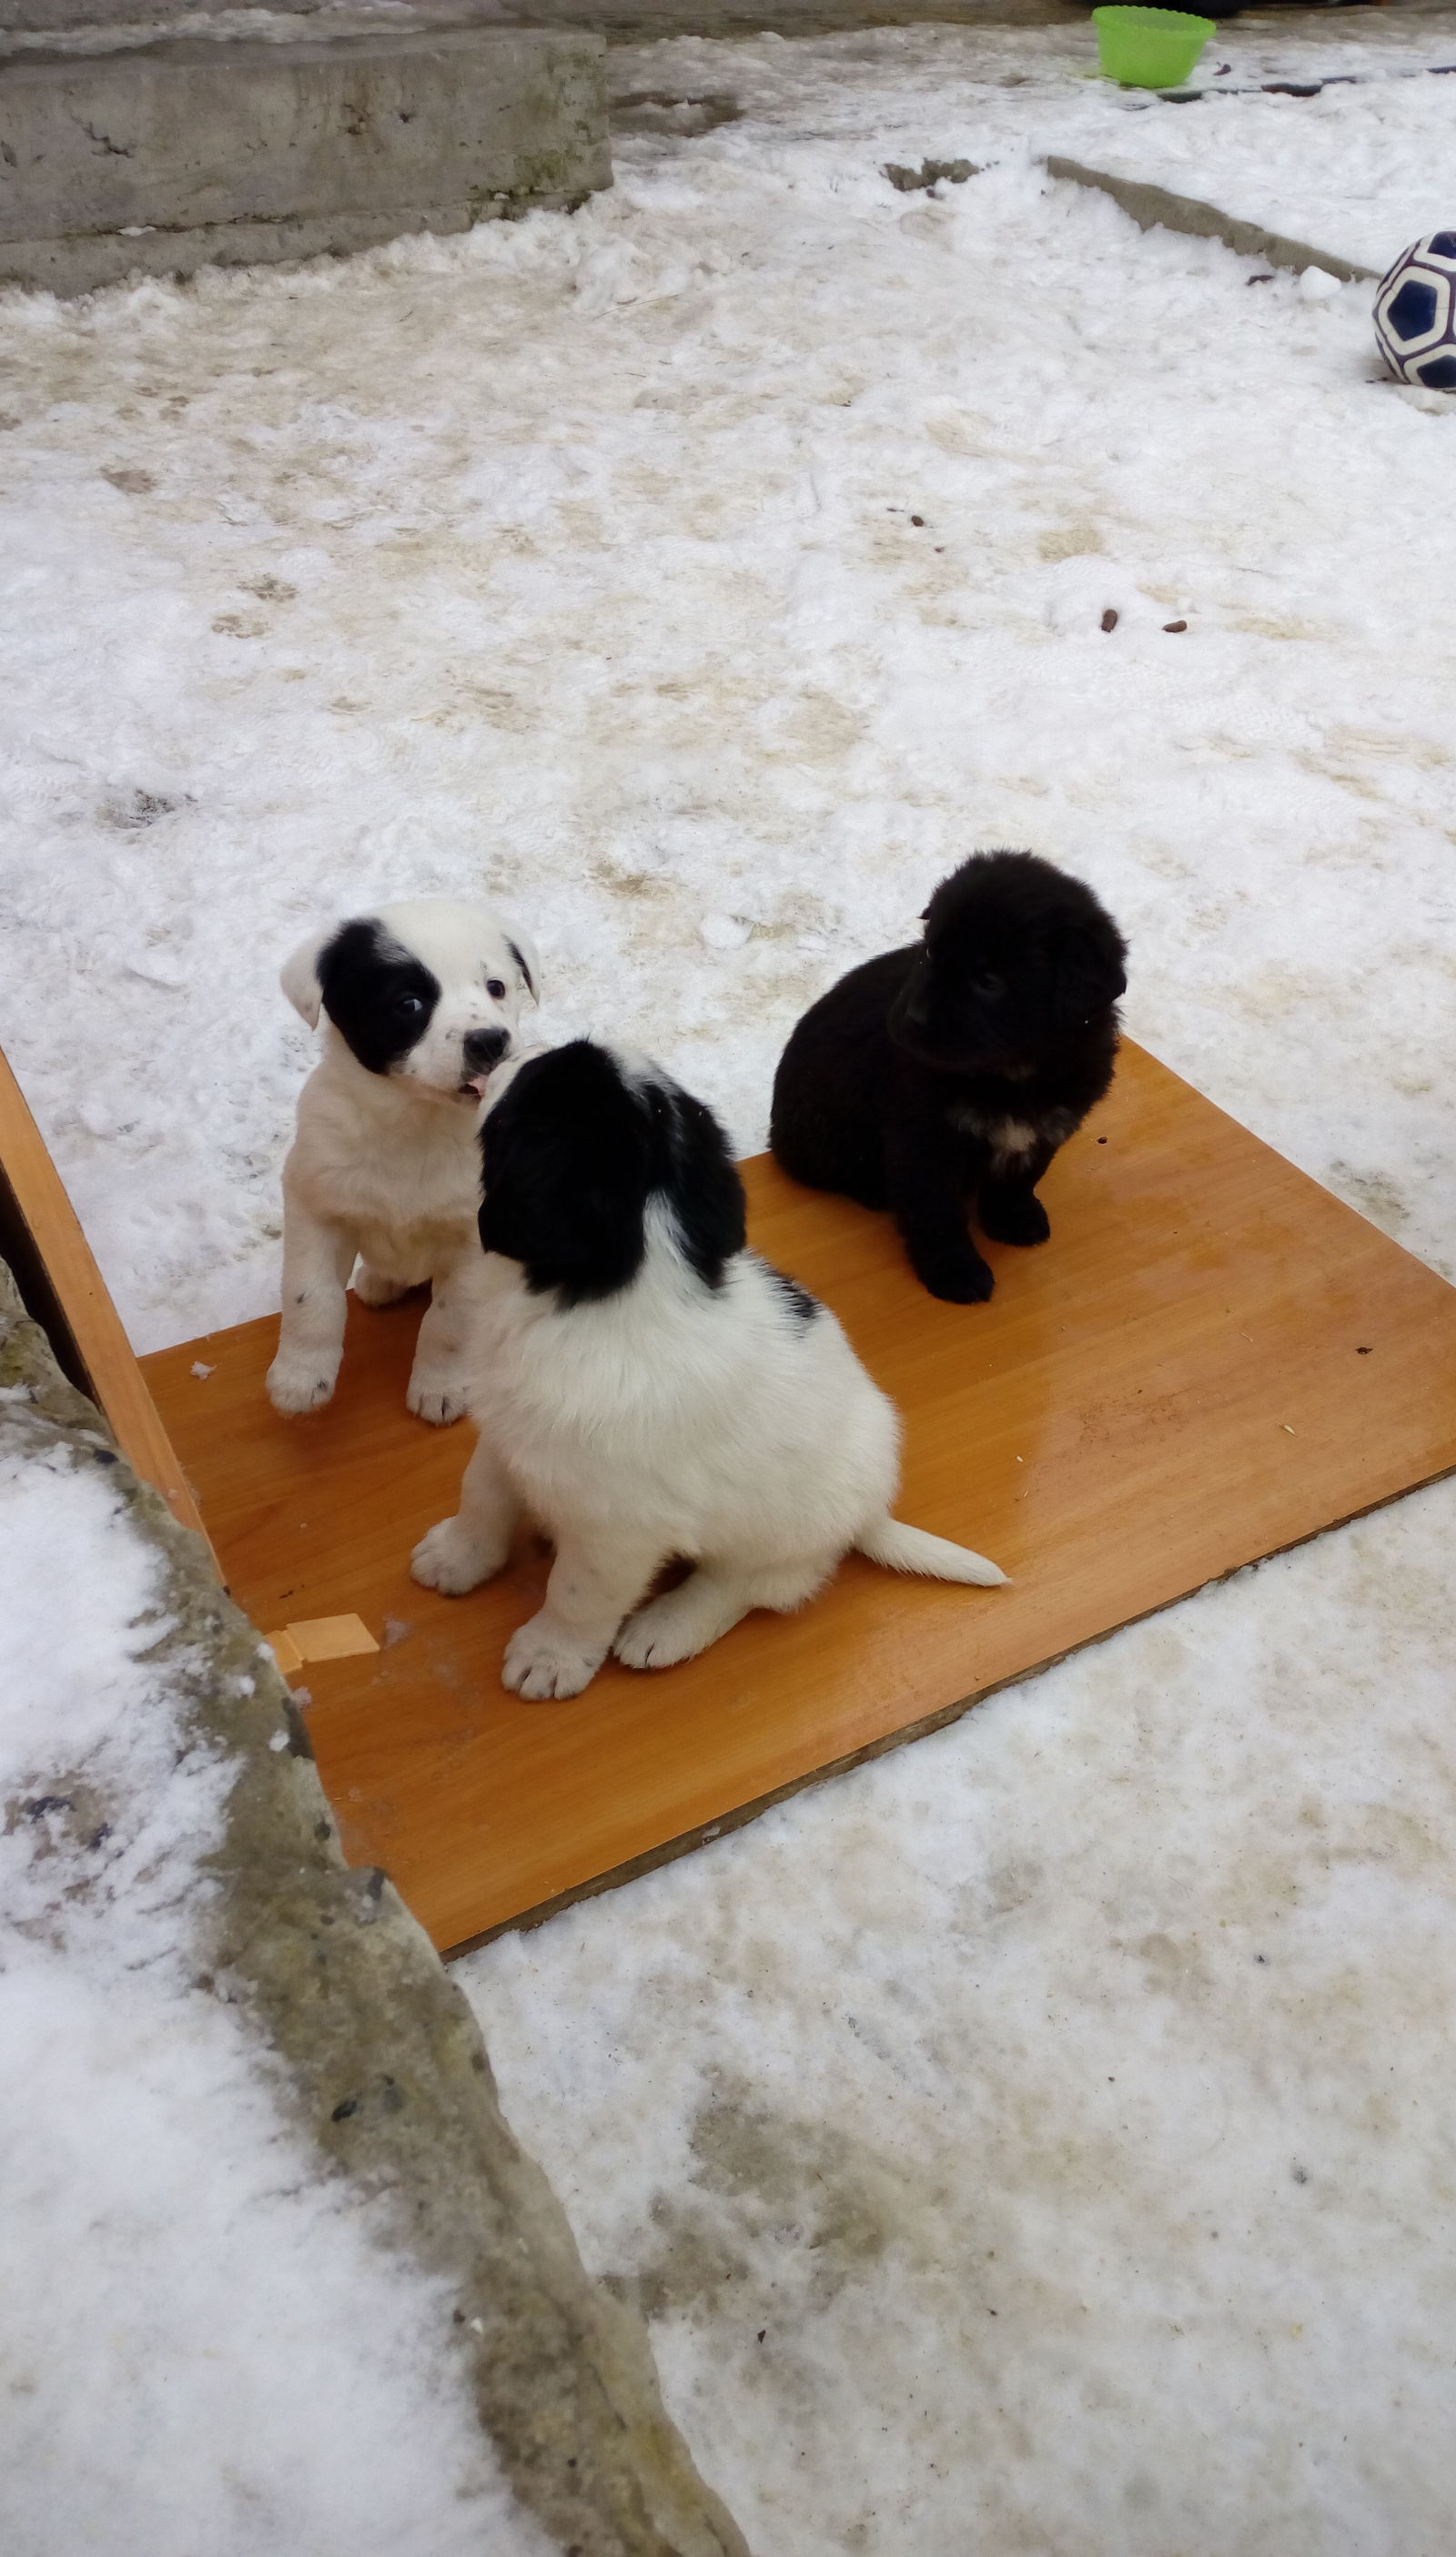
1212,1359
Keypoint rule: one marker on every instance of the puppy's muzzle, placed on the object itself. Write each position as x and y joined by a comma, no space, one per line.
484,1050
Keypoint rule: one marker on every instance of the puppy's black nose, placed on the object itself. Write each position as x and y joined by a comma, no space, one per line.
484,1049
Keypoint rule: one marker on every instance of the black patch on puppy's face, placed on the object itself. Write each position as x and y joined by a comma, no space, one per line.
1017,955
379,997
573,1154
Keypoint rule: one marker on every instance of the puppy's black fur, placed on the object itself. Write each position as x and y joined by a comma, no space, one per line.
574,1152
378,995
528,979
950,1072
801,1307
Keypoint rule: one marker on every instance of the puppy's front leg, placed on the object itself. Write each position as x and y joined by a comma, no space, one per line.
587,1595
439,1386
929,1206
317,1260
1009,1208
472,1546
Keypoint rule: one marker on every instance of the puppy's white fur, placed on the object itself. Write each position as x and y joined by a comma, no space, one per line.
385,1168
669,1420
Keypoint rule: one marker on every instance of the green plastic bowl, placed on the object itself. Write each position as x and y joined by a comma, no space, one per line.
1149,48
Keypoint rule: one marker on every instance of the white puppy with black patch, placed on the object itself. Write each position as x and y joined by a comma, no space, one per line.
647,1389
420,1001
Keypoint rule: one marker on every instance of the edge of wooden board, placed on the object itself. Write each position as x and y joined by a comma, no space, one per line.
64,1292
707,1832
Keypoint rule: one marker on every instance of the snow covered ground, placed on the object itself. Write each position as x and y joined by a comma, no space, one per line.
1064,2101
1361,171
1041,2140
202,2345
577,562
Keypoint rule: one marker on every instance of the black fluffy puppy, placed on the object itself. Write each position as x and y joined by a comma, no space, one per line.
948,1074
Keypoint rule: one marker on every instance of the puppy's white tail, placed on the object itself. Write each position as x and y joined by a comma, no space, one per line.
911,1548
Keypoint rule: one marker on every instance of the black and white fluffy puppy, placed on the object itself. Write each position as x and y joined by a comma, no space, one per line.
647,1389
420,1001
946,1075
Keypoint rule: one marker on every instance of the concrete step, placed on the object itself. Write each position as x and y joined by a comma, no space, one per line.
165,156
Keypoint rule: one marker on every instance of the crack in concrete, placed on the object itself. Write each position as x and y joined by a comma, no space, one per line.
109,150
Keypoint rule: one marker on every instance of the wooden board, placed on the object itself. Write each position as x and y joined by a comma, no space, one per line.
1212,1359
42,1241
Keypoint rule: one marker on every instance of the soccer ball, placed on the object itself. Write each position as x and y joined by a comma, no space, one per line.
1415,314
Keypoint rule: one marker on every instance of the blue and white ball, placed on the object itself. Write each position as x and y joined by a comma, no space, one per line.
1415,314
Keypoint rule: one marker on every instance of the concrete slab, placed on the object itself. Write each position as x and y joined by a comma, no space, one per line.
167,156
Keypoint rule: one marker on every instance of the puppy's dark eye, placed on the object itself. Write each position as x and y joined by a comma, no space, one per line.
407,1007
495,989
987,983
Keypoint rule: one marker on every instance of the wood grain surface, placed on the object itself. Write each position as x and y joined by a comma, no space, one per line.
42,1239
1212,1359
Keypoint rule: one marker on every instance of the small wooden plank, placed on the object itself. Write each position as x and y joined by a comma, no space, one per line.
1211,1360
330,1638
42,1239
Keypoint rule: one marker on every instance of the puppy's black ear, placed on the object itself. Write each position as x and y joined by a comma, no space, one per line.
524,954
701,1183
1089,970
566,1157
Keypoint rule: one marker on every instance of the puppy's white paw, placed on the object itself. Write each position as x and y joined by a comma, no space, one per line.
450,1558
652,1640
676,1627
643,1647
301,1384
539,1663
439,1396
